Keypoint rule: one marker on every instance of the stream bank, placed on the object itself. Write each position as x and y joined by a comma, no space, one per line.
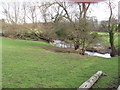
98,50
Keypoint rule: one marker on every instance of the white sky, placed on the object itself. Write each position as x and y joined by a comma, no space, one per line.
99,10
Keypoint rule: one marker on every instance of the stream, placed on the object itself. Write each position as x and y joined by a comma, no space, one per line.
58,43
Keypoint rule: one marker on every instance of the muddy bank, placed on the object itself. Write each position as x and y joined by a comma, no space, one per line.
63,50
102,49
99,49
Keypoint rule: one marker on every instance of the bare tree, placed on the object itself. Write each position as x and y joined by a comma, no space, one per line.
32,12
24,7
77,20
6,12
112,27
12,12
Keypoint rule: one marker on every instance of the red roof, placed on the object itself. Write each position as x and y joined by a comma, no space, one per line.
86,1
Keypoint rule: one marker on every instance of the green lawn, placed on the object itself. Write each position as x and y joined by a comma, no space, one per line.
27,65
105,39
106,33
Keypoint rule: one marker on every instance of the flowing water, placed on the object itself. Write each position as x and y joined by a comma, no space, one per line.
106,55
58,43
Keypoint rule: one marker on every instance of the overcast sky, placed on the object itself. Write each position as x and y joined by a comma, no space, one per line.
99,10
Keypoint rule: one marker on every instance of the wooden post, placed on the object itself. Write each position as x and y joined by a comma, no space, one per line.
118,87
90,82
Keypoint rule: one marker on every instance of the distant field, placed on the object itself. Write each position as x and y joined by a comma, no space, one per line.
105,39
106,33
27,65
103,33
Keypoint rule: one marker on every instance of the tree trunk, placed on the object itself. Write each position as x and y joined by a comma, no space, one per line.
83,51
113,50
76,45
83,47
111,33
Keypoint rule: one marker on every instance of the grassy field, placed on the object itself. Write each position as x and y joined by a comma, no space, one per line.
27,65
105,39
106,33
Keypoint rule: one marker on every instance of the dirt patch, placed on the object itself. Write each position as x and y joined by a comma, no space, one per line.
62,50
99,49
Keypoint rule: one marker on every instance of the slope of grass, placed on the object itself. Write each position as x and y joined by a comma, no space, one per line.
27,65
